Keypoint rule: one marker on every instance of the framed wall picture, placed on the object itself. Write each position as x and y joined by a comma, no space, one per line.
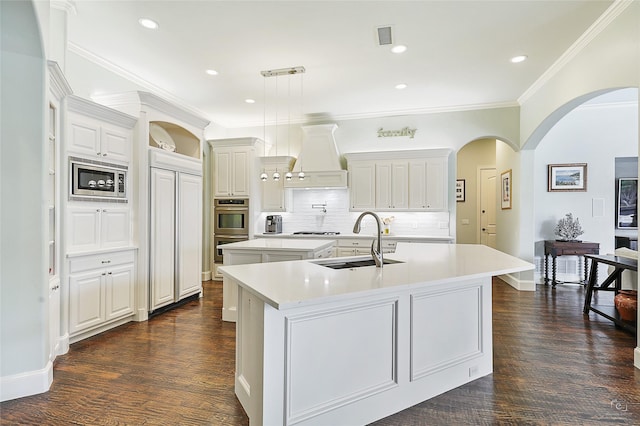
567,177
627,213
505,190
460,190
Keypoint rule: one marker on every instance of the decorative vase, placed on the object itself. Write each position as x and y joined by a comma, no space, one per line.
626,302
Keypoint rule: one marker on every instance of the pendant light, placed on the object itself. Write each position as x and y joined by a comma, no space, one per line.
301,173
288,175
276,73
276,175
263,175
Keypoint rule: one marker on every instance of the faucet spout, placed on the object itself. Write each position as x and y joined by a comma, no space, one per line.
376,252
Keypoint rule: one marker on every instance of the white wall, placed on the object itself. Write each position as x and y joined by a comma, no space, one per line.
24,348
592,134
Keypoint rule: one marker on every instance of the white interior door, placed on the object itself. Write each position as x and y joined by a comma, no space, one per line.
488,207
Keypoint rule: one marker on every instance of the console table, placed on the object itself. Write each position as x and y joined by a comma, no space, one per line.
555,248
608,311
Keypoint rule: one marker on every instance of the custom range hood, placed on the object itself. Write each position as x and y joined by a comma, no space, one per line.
319,159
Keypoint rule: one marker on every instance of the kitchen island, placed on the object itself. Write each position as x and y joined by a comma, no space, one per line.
319,346
265,251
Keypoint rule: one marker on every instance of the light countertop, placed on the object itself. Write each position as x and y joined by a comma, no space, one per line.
293,284
280,244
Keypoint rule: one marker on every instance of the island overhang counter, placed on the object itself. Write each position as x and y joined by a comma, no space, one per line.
318,346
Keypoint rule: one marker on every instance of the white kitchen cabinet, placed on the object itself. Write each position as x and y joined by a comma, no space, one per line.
399,180
428,184
98,132
231,167
101,291
362,246
362,185
274,195
94,226
175,236
392,185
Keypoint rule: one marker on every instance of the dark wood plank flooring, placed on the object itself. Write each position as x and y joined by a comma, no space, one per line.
552,366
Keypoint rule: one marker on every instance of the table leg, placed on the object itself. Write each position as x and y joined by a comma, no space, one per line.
553,271
585,260
590,287
546,269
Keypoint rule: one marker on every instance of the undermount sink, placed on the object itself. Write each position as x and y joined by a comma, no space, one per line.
348,264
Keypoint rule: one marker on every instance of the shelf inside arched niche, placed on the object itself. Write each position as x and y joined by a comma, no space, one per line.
186,143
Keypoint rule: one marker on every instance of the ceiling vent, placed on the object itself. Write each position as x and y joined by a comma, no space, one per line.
384,36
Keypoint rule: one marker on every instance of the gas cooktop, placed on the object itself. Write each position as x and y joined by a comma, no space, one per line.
316,233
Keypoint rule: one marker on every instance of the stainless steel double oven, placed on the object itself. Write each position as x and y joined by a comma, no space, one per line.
231,223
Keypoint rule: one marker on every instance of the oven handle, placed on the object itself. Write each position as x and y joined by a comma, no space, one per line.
233,237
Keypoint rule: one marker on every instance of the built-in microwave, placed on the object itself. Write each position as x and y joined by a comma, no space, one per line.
97,180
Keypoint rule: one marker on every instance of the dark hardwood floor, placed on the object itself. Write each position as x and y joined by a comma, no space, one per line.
552,366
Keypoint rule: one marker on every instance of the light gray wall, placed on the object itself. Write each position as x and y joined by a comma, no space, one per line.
23,267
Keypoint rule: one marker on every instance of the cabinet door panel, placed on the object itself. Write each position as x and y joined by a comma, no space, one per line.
240,181
84,137
119,291
399,186
436,184
86,296
162,244
362,186
84,228
189,236
115,227
114,144
417,184
222,163
383,186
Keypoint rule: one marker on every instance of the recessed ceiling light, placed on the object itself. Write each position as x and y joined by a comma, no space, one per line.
212,72
401,86
519,58
400,48
148,23
250,101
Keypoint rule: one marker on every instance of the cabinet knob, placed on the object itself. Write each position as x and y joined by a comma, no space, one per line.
98,210
104,210
104,273
98,153
104,155
110,273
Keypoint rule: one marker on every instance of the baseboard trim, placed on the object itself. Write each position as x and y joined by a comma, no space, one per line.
636,357
206,276
26,384
517,283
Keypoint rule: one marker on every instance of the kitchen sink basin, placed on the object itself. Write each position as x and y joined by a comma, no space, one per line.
348,264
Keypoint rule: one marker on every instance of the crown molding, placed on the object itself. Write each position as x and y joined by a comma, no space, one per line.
57,81
169,98
101,112
583,41
68,6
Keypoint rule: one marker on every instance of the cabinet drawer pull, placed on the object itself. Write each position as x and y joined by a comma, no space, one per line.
106,261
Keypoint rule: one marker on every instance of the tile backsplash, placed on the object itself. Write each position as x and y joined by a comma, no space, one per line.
306,214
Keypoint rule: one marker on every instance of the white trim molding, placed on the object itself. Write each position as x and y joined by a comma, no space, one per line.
517,283
26,384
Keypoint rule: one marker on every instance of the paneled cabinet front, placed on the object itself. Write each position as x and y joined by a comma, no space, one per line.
231,172
405,182
94,139
97,226
101,290
176,235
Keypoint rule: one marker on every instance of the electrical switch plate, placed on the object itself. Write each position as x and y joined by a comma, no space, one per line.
465,221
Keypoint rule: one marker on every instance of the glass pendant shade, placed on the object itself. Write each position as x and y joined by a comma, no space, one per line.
288,176
276,176
301,175
264,177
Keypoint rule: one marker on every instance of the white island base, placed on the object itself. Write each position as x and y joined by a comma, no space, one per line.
350,346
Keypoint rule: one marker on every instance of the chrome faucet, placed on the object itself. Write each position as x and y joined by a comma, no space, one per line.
376,253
